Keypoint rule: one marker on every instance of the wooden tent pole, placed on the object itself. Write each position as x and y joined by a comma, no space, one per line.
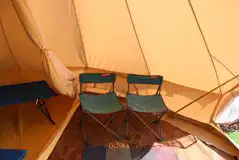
207,93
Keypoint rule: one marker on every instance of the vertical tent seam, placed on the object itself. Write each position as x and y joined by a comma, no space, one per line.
30,37
137,37
205,42
80,34
35,28
9,47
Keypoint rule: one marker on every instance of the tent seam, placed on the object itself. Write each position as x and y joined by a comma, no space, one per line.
41,48
205,43
137,37
35,27
8,44
80,34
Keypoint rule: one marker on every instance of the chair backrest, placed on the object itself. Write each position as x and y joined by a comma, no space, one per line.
145,79
97,78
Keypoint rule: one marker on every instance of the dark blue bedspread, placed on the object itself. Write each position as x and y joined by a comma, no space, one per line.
20,93
12,154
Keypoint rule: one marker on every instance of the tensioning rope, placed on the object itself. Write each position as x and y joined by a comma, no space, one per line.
205,42
224,66
137,37
206,93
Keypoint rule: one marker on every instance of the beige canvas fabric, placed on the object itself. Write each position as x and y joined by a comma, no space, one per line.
57,28
18,53
59,39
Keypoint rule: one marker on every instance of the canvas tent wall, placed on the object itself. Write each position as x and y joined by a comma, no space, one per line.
23,52
58,39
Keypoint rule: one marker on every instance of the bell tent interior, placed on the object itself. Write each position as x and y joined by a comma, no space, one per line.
191,43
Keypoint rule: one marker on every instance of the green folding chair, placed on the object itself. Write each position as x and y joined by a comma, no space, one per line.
99,104
151,104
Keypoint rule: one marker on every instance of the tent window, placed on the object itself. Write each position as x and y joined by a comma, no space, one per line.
228,121
230,114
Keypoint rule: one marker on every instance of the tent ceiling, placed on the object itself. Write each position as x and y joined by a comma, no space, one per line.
219,21
170,38
109,38
58,28
17,48
5,53
172,42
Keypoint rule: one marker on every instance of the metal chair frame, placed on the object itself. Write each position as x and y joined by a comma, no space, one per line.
157,117
85,112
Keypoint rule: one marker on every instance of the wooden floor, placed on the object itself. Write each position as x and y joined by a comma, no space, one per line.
70,146
24,126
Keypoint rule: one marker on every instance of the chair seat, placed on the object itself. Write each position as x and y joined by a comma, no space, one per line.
100,104
146,104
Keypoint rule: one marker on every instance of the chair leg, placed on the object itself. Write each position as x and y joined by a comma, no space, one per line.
85,139
147,126
129,116
119,125
103,125
111,119
156,121
127,123
118,129
161,130
152,120
40,103
108,122
159,116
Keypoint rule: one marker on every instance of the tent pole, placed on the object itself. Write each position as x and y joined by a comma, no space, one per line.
205,43
137,37
207,93
224,65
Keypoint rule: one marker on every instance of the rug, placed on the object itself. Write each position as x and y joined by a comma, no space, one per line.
105,153
71,147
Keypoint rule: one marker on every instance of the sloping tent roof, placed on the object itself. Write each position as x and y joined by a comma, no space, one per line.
193,44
